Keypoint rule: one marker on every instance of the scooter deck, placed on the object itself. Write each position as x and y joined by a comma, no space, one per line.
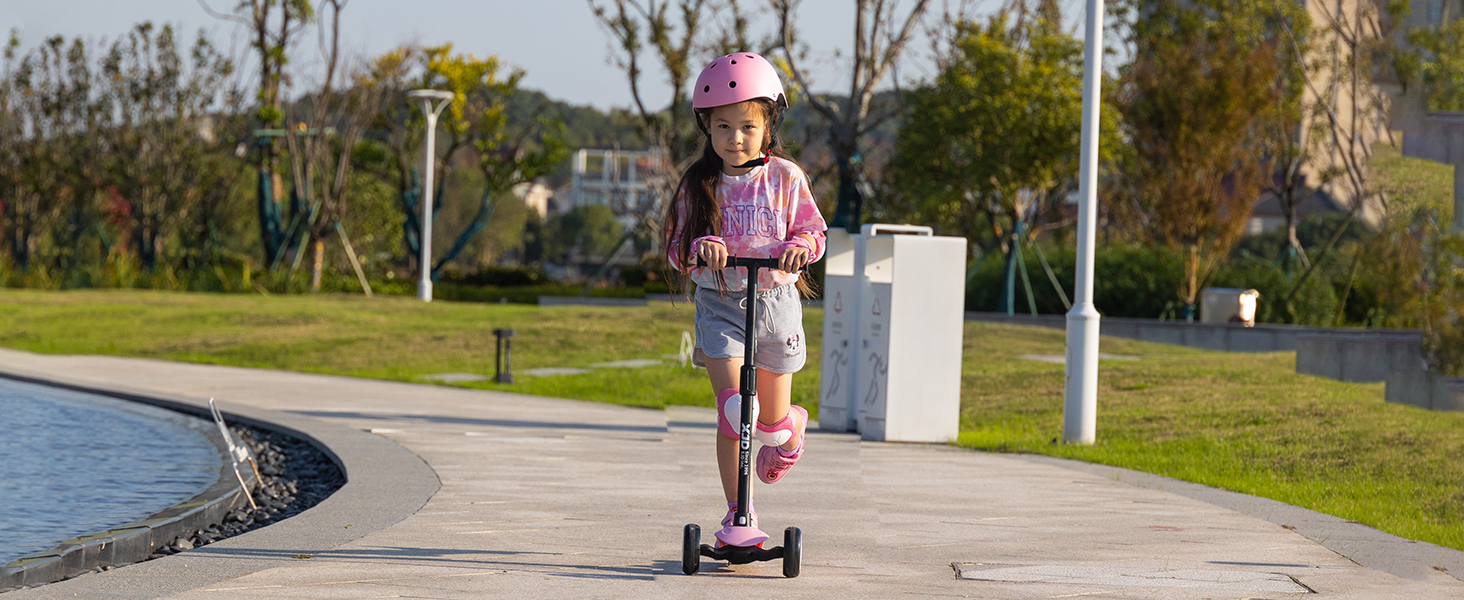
741,555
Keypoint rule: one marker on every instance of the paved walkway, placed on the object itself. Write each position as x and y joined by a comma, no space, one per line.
543,498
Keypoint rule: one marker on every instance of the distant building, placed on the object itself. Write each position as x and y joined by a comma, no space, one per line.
621,179
536,196
1429,134
1267,214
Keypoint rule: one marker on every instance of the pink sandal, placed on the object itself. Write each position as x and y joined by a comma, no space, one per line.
773,462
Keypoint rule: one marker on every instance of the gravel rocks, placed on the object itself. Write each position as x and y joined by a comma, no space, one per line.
294,476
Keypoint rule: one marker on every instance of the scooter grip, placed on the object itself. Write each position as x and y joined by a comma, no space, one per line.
738,261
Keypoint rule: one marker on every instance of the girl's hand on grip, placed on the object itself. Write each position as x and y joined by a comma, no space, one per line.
793,258
713,253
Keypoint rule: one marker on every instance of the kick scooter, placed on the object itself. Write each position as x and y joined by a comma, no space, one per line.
742,543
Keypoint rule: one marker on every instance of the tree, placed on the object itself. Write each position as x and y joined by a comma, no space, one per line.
877,48
114,159
987,149
1435,62
273,26
584,231
27,193
1349,48
635,24
506,157
1292,133
1194,103
475,124
322,147
12,135
676,37
168,168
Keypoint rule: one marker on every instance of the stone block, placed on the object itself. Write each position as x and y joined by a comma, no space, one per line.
1164,333
1319,356
1207,336
1120,328
1447,393
1253,339
131,545
11,577
73,561
1361,356
1408,386
96,552
43,569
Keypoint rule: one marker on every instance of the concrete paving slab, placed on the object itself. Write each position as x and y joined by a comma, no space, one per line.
543,497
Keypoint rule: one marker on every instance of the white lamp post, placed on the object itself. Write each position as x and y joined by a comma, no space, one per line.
428,98
1080,391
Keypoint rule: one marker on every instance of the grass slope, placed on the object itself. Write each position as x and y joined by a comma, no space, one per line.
1243,422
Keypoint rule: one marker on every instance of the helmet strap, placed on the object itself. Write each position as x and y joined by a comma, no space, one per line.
756,162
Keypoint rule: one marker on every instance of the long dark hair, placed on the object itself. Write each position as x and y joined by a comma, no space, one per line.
693,211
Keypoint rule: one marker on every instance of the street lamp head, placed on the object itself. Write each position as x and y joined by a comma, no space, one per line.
430,94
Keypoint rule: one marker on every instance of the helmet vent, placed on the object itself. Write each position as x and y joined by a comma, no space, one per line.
734,62
707,89
731,84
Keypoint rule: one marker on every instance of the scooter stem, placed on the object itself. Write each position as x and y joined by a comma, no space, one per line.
749,395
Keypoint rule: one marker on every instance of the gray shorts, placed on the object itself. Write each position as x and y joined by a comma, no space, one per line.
720,321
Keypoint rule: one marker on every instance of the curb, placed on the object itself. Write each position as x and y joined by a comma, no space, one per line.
385,483
128,544
134,542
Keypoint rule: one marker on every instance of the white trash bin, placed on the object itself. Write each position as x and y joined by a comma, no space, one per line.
903,381
840,323
1228,305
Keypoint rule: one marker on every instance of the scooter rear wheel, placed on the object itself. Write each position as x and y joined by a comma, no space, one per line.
691,549
792,551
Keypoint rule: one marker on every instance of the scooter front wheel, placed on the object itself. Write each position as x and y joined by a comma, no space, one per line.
792,551
691,549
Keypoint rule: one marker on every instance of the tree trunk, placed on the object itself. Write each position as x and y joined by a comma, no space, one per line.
1293,253
850,205
268,191
1191,281
1009,274
317,265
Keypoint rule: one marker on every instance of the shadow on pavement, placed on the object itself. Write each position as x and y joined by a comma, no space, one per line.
441,420
385,557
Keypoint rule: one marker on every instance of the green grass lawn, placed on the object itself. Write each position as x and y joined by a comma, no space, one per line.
1244,422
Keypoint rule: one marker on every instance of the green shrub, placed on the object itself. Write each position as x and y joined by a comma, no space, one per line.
489,275
526,294
1128,281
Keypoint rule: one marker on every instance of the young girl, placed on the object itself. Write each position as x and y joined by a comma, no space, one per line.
744,197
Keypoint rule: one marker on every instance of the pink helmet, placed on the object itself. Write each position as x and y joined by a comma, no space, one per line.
738,77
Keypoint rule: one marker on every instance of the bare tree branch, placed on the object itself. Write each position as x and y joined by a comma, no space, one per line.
223,16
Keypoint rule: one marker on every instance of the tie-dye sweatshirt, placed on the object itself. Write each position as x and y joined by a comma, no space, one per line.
761,209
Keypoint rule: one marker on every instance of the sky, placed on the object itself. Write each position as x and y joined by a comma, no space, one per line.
558,43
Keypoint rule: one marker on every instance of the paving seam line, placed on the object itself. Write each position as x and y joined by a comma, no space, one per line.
1354,541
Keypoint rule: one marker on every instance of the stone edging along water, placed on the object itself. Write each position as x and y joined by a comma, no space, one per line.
385,483
133,542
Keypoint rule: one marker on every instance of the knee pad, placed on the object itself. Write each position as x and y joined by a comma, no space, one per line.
779,433
729,412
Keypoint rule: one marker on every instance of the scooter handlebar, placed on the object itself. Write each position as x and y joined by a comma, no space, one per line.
738,261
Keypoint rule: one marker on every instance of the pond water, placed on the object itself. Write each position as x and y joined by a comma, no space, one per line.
74,464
